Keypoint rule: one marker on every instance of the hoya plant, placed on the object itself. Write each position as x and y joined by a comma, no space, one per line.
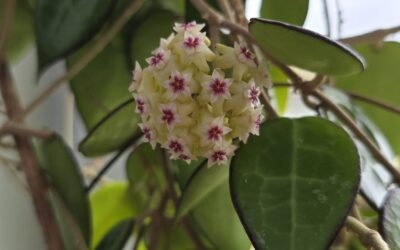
232,133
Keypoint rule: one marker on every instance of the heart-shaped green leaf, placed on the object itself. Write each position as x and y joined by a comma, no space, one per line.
375,179
288,11
117,237
390,219
380,81
101,85
59,163
113,132
293,185
305,49
64,25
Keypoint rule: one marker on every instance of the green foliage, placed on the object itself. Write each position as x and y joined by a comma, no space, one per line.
102,85
144,42
375,179
21,35
117,237
304,48
294,184
288,11
110,204
380,81
64,25
62,169
390,219
113,132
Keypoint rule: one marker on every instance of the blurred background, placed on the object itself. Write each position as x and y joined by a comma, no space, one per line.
19,228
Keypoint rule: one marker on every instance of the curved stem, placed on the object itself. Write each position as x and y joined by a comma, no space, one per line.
374,102
369,237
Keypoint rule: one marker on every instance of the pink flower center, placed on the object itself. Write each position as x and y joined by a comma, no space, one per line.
253,95
140,106
156,59
218,155
214,133
187,26
258,121
147,133
168,116
218,86
246,53
175,146
184,157
177,84
191,42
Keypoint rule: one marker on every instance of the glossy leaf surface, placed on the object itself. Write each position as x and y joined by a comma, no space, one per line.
288,11
305,49
64,25
390,219
294,184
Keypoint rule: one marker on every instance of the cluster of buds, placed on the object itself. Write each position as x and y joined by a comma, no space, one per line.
194,102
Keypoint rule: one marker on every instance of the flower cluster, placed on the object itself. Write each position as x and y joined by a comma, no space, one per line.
195,102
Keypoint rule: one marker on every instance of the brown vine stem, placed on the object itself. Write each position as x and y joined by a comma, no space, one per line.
358,132
37,184
369,237
371,37
21,129
373,101
100,43
169,177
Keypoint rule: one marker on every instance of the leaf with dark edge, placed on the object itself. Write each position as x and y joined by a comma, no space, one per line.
21,33
288,11
113,132
379,81
207,198
390,219
293,185
101,85
64,174
117,237
305,49
112,203
375,179
62,26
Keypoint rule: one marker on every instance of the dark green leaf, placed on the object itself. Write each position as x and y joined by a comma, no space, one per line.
160,22
294,184
111,204
64,25
185,171
390,219
380,81
70,233
117,237
207,197
288,11
113,132
375,179
21,33
103,84
61,167
305,49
